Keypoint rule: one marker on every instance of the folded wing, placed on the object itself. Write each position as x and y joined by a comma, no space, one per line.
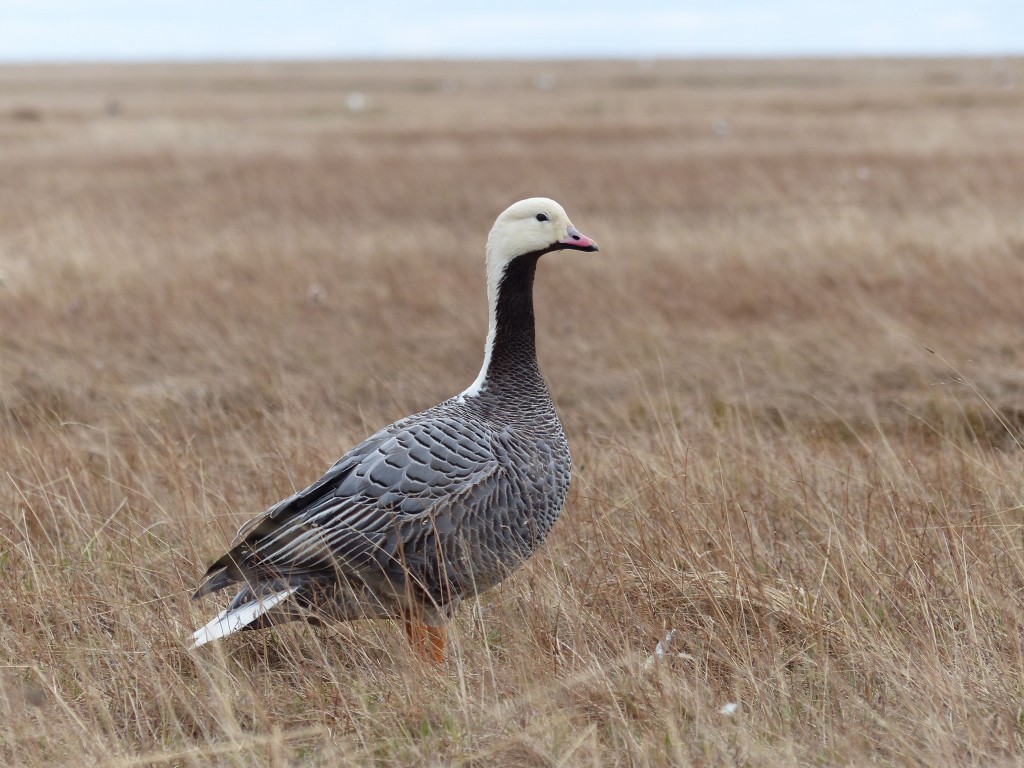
406,504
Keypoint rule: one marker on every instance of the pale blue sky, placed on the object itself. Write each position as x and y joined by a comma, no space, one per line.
33,30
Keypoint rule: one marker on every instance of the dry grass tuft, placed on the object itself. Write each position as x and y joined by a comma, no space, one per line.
792,380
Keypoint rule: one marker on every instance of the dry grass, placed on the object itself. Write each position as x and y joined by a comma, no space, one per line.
793,381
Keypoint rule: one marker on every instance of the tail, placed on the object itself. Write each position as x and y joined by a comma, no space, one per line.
233,619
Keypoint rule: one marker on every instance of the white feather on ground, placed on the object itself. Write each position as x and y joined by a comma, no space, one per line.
229,622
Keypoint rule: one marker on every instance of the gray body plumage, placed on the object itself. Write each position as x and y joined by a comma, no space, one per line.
433,508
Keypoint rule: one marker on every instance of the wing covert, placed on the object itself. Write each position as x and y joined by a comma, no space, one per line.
358,516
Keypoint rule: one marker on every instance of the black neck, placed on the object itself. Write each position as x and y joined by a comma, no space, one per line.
514,349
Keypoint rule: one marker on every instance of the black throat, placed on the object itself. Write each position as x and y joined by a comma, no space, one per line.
514,349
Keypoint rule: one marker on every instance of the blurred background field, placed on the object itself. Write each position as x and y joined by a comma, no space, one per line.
792,379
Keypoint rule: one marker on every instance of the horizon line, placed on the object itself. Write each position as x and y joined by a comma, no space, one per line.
457,58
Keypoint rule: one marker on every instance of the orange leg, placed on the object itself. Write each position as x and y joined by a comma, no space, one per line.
428,642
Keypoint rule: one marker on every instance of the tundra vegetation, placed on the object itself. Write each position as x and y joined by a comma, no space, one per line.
792,380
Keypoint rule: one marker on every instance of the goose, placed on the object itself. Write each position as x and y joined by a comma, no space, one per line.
434,508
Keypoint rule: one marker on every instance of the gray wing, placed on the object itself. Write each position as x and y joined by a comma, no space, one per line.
431,503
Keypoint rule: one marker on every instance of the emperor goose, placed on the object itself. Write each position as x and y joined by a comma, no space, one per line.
438,506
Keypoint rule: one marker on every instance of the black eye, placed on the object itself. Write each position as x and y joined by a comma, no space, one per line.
542,217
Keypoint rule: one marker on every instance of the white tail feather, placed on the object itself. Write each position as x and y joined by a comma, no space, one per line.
229,622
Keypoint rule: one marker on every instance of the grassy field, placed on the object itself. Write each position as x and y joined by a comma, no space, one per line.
792,379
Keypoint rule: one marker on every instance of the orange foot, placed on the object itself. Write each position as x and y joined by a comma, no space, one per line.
427,641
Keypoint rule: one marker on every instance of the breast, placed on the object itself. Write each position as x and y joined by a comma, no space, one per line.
528,505
474,538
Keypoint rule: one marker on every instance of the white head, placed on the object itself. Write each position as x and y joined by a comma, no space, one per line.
530,227
537,225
